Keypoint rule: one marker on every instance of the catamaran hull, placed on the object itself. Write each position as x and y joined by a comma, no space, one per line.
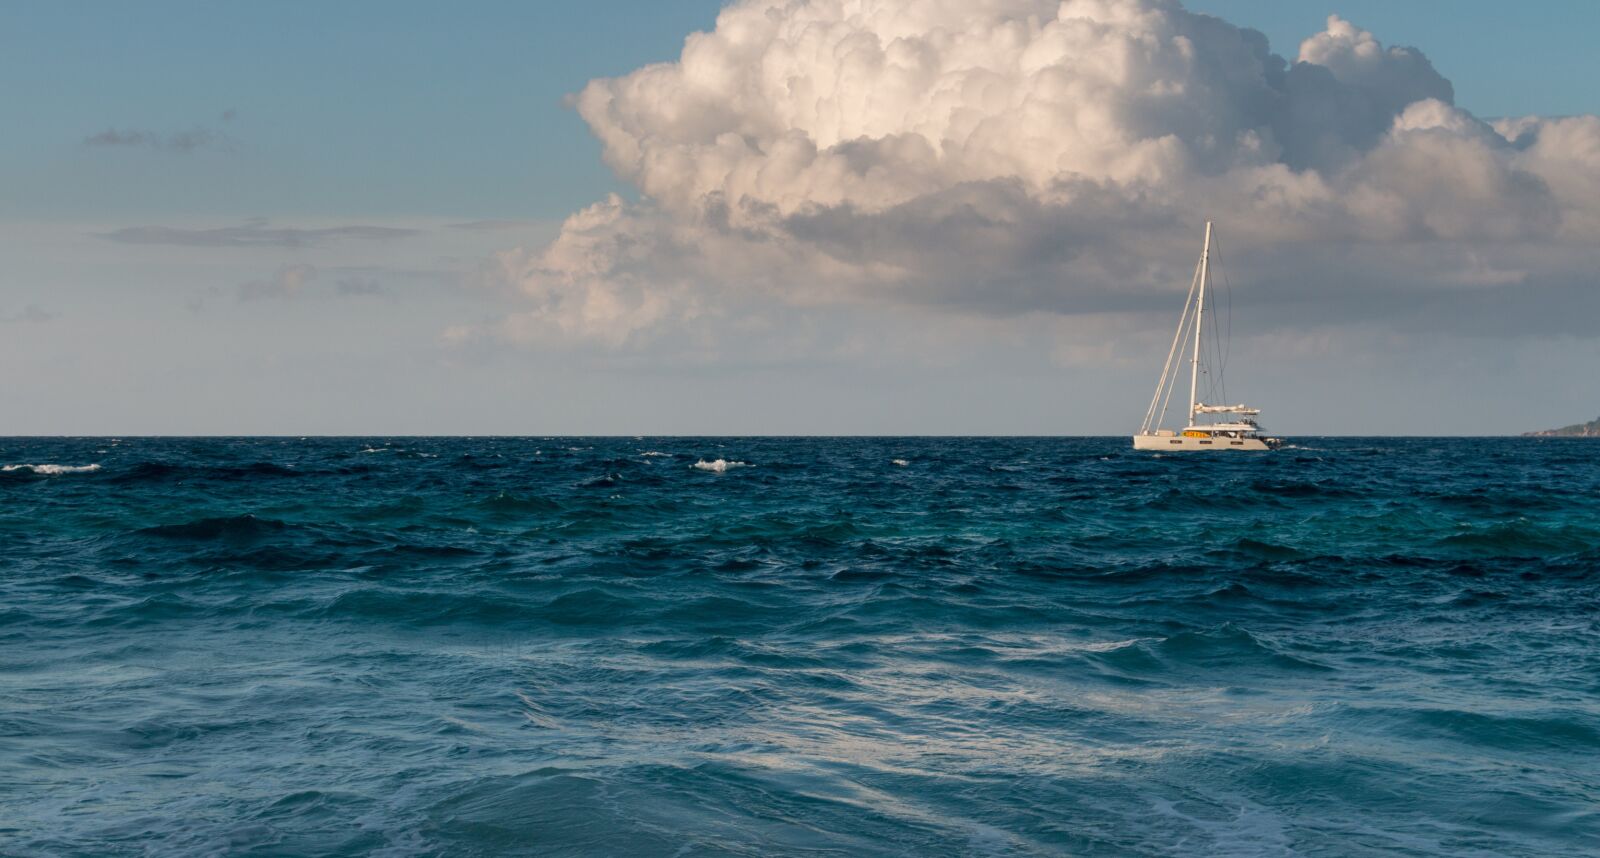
1167,442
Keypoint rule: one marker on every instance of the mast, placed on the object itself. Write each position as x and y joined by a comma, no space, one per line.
1199,318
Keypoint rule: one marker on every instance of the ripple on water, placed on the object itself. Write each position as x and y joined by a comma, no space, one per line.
797,647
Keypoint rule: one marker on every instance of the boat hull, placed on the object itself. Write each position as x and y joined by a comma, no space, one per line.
1196,445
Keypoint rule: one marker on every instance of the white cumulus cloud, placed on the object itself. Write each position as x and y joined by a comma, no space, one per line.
1017,156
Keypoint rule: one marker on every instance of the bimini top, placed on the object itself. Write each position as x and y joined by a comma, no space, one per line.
1226,409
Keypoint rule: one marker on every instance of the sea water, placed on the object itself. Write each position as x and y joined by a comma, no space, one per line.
822,646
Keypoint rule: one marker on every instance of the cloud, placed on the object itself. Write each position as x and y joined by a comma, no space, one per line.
29,313
184,142
289,282
299,280
359,285
1023,156
493,225
255,234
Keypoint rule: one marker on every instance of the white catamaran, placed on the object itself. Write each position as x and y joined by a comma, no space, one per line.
1226,427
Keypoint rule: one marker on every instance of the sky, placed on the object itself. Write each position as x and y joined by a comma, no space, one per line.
829,216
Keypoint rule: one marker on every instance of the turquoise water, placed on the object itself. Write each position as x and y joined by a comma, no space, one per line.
850,647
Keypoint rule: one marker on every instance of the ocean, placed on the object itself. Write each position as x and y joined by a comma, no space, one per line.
807,646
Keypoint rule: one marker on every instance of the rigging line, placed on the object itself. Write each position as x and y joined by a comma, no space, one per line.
1213,354
1227,347
1170,379
1192,319
1185,324
1211,349
1210,354
1166,370
1225,342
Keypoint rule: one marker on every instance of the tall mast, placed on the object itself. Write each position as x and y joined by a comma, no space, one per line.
1199,319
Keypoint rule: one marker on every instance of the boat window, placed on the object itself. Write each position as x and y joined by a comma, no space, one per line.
1175,442
1205,442
1238,443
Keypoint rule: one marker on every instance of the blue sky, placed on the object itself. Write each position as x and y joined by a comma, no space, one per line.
415,108
370,108
422,116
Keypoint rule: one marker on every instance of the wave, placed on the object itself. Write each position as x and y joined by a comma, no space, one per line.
603,482
719,466
1264,550
900,462
222,527
164,471
1227,647
1521,538
476,463
1188,500
51,470
424,607
1301,489
507,503
149,472
1547,729
587,607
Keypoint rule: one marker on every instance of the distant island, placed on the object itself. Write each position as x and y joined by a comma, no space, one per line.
1579,430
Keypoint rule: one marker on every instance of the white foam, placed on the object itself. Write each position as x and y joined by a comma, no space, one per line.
901,462
1107,646
654,454
53,470
719,466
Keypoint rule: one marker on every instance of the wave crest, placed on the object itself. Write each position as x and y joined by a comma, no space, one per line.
719,466
51,470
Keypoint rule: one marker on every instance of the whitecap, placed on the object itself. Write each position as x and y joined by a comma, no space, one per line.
53,470
719,466
901,462
654,454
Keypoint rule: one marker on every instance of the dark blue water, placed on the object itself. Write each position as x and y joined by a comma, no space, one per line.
848,647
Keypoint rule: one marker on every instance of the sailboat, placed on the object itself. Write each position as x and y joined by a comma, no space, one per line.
1210,427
